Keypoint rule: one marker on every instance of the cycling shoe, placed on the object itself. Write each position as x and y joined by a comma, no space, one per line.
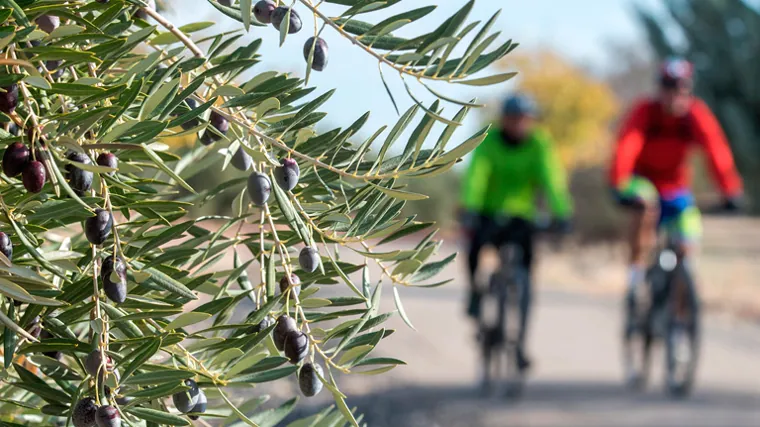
523,361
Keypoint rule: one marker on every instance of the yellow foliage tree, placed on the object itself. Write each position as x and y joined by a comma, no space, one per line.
578,109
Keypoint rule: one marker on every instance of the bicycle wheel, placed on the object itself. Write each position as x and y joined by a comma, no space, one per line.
638,338
515,373
682,336
490,333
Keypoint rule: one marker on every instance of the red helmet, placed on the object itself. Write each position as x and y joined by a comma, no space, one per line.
676,73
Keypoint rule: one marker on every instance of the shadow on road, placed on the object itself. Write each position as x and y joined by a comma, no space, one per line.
550,404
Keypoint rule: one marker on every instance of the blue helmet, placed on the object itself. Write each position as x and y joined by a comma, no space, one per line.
519,105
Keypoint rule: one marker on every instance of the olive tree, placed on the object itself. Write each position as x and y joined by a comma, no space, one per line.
116,306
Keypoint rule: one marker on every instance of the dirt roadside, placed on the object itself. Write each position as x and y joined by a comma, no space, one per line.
727,264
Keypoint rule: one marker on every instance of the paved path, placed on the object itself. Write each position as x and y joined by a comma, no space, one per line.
576,381
574,340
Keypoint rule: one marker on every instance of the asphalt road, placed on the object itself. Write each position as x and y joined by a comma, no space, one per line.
577,379
574,341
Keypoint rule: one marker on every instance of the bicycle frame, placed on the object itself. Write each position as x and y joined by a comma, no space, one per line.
501,337
672,314
507,299
669,265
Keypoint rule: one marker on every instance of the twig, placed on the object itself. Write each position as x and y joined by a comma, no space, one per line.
204,370
400,68
385,269
174,30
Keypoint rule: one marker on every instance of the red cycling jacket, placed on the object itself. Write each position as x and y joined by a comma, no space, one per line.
655,145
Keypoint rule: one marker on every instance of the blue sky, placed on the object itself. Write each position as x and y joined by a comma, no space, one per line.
578,29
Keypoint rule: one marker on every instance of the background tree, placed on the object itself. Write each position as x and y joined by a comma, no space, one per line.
116,305
577,108
721,37
631,72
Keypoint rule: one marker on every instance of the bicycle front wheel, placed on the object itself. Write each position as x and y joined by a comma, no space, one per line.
681,349
639,313
682,336
517,291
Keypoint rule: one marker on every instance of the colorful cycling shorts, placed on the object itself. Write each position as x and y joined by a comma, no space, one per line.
679,214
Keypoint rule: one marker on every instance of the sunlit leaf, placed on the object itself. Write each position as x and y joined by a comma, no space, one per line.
159,377
187,319
400,308
401,194
490,80
160,163
158,417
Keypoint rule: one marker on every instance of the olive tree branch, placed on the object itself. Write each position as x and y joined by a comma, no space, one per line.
400,68
284,258
385,270
214,377
174,30
241,120
47,160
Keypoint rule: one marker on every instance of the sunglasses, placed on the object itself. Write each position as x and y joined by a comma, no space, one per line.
677,84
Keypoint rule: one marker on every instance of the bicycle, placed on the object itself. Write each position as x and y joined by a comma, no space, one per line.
499,329
668,311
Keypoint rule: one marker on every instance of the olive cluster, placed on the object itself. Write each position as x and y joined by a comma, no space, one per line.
286,335
113,271
191,401
286,176
18,159
267,12
219,128
80,180
295,344
308,260
260,187
87,413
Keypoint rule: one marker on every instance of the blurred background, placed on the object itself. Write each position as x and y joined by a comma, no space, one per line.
584,61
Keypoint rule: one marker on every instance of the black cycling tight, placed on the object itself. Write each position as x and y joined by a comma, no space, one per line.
491,232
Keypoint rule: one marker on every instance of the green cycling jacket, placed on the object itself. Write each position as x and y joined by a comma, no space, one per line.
506,180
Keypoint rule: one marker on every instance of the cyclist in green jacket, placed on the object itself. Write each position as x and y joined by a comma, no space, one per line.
511,166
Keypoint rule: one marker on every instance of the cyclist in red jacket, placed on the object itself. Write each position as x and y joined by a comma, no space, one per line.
650,168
